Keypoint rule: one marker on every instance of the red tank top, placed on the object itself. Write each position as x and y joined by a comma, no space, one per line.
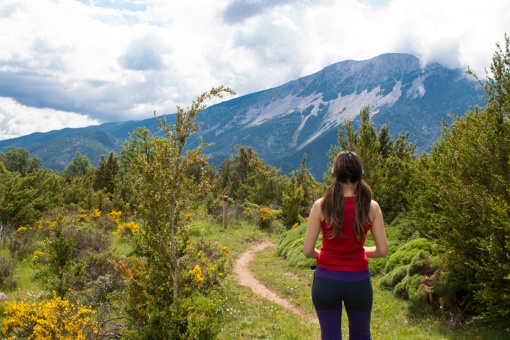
344,254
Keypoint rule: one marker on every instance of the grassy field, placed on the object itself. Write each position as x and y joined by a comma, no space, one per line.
247,316
250,317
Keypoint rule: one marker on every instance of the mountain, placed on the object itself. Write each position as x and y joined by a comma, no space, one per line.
301,116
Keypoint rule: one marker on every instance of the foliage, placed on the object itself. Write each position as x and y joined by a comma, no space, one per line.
245,177
266,217
73,254
138,148
19,160
290,246
79,166
292,205
23,199
21,243
107,173
7,279
196,312
52,319
465,206
167,189
410,273
387,162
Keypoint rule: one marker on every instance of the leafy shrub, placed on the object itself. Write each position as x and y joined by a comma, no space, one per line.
406,252
7,280
52,319
412,274
394,277
290,247
197,311
196,317
21,244
266,217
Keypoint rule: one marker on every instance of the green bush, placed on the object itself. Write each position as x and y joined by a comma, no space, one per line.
410,272
21,244
290,247
406,252
394,277
7,266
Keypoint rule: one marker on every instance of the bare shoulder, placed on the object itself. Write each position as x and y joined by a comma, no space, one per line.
374,205
318,202
375,210
317,209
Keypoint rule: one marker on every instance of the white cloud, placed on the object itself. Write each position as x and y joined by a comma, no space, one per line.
18,120
117,60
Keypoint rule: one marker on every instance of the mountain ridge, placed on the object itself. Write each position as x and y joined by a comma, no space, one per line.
303,115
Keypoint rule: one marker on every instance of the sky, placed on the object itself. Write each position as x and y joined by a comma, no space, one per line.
69,63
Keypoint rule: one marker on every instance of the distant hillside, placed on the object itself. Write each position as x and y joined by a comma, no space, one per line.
304,115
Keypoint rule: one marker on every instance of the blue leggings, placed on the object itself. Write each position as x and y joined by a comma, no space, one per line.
357,297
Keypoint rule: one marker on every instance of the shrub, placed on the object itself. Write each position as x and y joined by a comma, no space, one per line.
7,280
290,246
266,217
394,277
21,244
196,317
406,252
52,319
410,272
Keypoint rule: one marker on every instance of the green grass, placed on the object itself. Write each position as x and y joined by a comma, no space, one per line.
391,318
248,316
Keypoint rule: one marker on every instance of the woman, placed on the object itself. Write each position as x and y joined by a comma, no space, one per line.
344,215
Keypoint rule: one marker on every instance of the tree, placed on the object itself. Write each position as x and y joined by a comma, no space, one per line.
18,160
246,177
168,189
78,166
167,192
387,162
139,144
107,173
293,199
466,206
23,199
312,190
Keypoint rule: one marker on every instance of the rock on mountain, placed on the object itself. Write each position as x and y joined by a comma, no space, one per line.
304,115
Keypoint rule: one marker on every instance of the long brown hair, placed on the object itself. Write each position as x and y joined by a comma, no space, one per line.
348,168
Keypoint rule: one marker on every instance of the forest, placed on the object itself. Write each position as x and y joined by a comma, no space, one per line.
135,247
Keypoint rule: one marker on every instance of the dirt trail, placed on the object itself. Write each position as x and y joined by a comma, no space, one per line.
245,278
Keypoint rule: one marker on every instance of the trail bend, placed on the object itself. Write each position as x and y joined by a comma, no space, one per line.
245,278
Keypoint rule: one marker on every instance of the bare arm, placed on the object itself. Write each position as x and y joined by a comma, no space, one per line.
312,231
378,233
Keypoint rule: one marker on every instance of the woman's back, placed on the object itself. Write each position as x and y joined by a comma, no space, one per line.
343,253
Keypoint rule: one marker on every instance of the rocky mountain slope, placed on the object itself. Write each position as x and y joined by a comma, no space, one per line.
304,115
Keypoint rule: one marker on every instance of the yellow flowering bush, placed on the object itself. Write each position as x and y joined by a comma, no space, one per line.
189,217
266,216
206,265
127,229
197,277
52,319
21,230
115,215
96,213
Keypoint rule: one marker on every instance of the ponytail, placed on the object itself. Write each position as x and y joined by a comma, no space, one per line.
347,168
333,209
363,201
